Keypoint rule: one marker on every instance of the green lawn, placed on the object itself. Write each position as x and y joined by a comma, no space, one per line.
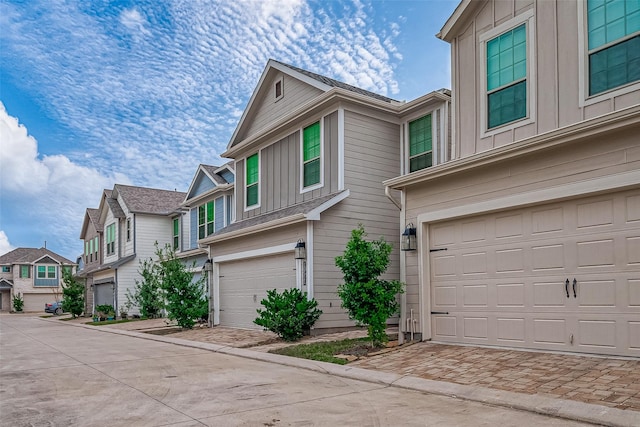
326,351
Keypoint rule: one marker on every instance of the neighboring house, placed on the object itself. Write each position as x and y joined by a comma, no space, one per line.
207,208
34,274
124,230
310,154
530,236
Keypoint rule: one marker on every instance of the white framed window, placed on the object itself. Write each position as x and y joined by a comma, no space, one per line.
252,182
206,219
128,229
507,74
311,155
176,234
278,89
111,239
609,49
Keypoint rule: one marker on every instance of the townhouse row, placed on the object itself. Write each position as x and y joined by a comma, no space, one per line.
518,191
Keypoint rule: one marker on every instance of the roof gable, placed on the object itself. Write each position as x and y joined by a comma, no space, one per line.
91,217
148,200
209,178
202,183
459,19
31,255
304,84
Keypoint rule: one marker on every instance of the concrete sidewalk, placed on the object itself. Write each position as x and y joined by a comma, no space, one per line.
538,403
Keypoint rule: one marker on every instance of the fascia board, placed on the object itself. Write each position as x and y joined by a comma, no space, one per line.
289,220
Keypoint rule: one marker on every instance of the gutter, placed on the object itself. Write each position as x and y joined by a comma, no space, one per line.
289,220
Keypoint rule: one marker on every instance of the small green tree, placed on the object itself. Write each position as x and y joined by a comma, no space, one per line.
369,300
18,302
147,293
185,299
72,294
288,314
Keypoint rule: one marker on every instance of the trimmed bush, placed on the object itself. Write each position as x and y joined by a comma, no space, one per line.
288,314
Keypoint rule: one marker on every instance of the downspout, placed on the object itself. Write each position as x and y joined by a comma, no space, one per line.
403,296
390,197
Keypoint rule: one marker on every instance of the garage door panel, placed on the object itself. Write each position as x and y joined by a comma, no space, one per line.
503,276
244,284
36,302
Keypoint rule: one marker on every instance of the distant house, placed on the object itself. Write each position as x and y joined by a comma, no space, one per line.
118,234
310,154
35,274
530,236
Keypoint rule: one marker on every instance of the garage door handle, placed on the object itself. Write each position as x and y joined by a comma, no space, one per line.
439,312
575,282
566,287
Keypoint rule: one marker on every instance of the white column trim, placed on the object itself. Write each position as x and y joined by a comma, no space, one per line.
309,246
272,250
340,149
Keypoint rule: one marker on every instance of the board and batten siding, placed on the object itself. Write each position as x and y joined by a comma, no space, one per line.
557,68
372,155
268,110
580,161
280,172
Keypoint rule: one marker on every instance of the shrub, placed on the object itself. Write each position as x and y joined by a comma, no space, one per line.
105,310
72,294
147,294
18,302
288,314
369,300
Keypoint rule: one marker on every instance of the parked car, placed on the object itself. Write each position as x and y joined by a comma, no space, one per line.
54,307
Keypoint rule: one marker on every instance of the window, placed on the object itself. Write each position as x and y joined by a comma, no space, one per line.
51,272
86,251
91,250
42,272
613,44
507,77
25,271
420,144
176,234
278,89
128,229
96,245
111,239
311,148
6,269
206,217
252,184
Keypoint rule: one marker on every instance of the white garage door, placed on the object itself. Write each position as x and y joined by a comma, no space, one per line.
36,302
562,276
243,284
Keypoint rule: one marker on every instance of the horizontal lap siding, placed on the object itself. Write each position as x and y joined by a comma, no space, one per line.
372,155
261,240
267,110
580,161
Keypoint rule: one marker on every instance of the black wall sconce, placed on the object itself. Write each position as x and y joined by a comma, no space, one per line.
300,251
408,238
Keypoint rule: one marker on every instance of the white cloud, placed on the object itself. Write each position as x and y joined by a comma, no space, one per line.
134,21
52,190
5,246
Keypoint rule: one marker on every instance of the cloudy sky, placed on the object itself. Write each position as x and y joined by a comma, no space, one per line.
140,92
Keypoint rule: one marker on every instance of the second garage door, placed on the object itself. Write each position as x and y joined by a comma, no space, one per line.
563,276
243,284
36,302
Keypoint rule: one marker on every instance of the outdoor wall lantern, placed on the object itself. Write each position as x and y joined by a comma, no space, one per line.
208,266
300,251
408,238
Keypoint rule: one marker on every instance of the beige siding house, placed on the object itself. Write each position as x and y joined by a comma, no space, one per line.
126,226
310,155
33,274
530,236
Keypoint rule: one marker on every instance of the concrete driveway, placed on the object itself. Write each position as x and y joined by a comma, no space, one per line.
62,375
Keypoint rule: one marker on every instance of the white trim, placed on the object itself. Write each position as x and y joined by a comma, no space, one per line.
565,191
314,214
403,163
320,184
244,182
255,253
403,272
309,245
340,148
584,98
215,272
527,18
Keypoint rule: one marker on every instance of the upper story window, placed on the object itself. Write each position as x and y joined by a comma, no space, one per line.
47,272
176,234
252,182
91,250
311,155
86,251
6,269
420,143
25,271
128,229
96,245
278,89
206,220
111,239
508,98
613,44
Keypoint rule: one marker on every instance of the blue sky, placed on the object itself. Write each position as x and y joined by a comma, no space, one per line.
140,92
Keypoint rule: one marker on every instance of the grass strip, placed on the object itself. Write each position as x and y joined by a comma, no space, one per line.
322,351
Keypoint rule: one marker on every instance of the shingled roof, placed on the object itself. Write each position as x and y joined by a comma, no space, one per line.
94,217
149,200
29,255
336,83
